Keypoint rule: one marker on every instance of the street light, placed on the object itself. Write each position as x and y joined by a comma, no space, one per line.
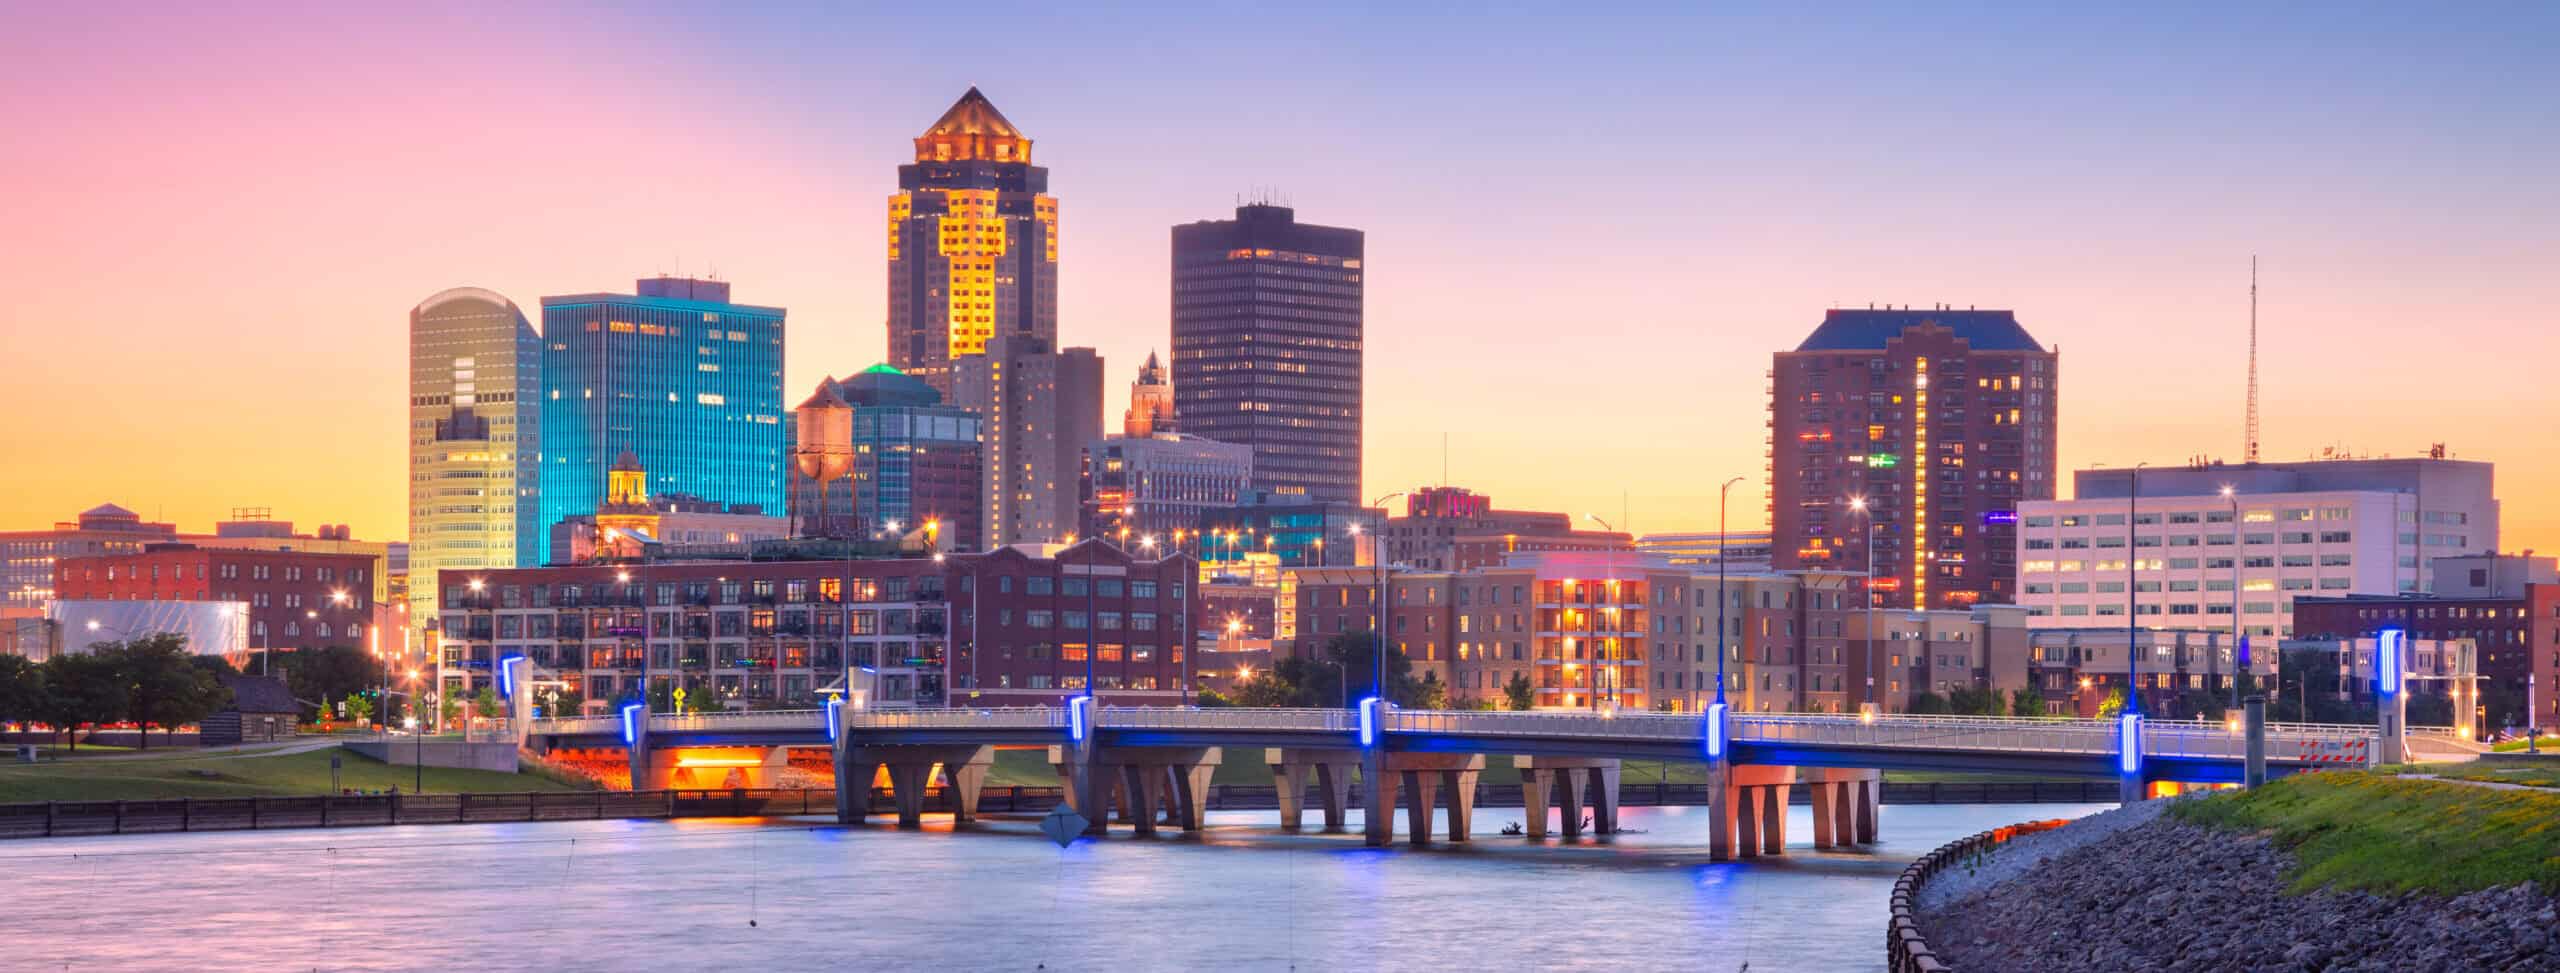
2132,599
2239,637
1378,560
1722,552
1867,540
1608,585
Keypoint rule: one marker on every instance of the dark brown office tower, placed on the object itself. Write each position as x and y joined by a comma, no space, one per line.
1917,432
1267,346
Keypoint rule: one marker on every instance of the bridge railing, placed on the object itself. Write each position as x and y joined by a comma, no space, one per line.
1929,732
1621,725
990,718
1326,720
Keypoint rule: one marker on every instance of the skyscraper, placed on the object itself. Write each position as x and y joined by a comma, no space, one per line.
690,383
1041,407
475,443
1150,403
1267,346
973,243
1916,432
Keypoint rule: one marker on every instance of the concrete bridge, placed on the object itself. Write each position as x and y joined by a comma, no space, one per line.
1152,762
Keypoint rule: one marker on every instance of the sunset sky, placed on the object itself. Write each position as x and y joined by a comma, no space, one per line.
1587,231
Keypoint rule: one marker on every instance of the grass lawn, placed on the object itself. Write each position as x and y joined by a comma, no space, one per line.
2529,772
2384,833
187,774
2548,744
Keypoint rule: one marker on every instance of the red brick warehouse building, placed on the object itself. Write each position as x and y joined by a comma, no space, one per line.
295,599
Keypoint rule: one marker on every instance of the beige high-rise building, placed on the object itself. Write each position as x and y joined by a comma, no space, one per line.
474,439
1040,406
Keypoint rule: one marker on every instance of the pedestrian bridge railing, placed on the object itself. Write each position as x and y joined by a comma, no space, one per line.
2166,738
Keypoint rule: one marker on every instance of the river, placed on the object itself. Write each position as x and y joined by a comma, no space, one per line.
791,894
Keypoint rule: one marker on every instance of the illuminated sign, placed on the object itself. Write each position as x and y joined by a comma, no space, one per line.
1882,460
2000,517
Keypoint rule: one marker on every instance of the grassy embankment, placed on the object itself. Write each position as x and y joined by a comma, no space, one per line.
186,773
2381,832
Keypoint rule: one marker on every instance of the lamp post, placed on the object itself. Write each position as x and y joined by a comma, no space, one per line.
1722,493
1378,560
2239,636
2132,670
1867,540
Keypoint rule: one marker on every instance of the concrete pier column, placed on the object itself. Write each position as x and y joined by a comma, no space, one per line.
907,782
636,747
1144,789
2253,771
1720,812
1421,787
966,778
1462,801
1191,795
1823,793
1773,819
1537,790
1377,799
1747,821
1331,770
1574,790
1741,805
1289,784
854,778
1869,800
1604,798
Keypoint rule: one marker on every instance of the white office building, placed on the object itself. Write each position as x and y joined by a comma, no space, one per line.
2188,555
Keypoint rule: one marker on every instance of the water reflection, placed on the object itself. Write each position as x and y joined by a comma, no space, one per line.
796,894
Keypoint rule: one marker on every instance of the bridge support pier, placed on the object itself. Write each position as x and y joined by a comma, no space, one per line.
1419,776
1841,802
1747,811
964,769
1142,782
709,768
1590,782
1290,769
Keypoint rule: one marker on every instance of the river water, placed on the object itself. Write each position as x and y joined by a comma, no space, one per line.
791,894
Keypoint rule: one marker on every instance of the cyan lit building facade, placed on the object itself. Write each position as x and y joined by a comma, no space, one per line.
687,381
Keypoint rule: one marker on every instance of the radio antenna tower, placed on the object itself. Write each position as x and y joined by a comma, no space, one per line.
2253,358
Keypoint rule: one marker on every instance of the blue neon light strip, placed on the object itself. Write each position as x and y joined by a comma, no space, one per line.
2386,659
1079,710
1369,721
1715,728
835,718
2129,744
630,727
507,675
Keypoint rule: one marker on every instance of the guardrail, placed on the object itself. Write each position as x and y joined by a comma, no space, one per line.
2164,738
1905,950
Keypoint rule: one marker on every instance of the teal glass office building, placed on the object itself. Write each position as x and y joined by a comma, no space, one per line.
687,381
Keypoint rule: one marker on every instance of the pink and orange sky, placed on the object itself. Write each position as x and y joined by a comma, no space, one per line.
1586,232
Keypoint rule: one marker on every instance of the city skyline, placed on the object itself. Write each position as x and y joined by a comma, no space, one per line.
2119,221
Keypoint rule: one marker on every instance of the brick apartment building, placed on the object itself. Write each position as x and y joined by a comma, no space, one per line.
295,599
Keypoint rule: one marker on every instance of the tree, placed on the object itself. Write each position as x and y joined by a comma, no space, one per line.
81,689
21,689
448,709
2026,702
564,702
2111,705
1211,699
1976,701
359,708
485,705
162,683
1267,688
1431,693
326,674
1519,693
1928,704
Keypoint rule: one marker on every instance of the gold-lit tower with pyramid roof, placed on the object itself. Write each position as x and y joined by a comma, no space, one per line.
973,243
